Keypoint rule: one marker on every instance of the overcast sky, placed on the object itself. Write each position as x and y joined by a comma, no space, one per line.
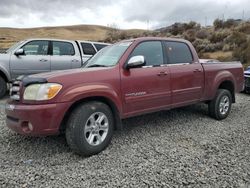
125,14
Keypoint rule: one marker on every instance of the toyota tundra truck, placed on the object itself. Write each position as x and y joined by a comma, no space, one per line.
130,78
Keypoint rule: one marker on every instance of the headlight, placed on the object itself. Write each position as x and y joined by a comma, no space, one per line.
40,92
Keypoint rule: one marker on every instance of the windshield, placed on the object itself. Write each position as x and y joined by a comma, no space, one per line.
14,46
108,56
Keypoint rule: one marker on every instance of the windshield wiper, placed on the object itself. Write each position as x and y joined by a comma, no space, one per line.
96,65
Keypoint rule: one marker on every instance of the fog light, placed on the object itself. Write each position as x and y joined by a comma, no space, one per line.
30,126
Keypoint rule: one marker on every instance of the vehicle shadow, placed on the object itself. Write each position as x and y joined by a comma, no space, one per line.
197,110
41,148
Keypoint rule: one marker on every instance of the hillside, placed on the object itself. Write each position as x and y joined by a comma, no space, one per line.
8,36
225,40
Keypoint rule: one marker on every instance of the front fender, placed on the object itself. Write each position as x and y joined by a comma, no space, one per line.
80,92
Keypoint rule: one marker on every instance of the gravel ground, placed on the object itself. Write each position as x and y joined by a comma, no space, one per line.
181,147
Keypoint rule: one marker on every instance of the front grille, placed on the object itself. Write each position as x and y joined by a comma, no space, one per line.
15,90
247,81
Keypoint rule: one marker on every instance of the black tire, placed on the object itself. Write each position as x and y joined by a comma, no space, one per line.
75,129
214,105
3,87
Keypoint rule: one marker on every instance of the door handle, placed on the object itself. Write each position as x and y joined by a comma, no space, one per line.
43,60
197,70
162,74
74,60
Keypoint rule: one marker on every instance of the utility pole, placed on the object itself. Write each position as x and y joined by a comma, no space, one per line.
205,21
243,15
148,25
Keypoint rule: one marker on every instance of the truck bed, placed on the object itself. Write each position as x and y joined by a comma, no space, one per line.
214,70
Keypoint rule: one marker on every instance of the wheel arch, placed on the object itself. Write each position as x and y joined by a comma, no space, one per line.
228,85
4,76
105,100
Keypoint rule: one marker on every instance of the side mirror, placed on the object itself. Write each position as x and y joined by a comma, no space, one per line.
136,61
19,52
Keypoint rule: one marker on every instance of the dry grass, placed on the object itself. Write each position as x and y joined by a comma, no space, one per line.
220,55
8,36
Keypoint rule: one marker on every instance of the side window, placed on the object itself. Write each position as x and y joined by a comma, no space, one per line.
87,48
63,48
36,47
152,52
178,52
100,46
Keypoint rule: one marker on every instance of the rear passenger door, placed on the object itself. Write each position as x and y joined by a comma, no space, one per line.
187,76
64,56
88,51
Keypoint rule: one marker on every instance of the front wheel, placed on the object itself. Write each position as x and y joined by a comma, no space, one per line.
220,106
3,87
90,128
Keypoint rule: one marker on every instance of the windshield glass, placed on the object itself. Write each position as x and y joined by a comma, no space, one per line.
108,56
14,46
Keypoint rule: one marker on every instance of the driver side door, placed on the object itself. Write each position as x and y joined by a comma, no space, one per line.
34,60
147,88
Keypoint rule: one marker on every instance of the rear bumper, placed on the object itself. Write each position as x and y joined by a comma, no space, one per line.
35,120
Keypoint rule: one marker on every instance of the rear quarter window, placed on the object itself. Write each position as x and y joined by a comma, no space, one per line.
99,46
88,48
178,52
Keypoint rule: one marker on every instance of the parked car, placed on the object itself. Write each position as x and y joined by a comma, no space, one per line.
130,78
247,80
43,55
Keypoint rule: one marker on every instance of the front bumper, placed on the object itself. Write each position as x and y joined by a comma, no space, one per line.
35,120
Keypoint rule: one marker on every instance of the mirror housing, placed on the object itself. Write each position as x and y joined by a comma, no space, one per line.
136,61
19,52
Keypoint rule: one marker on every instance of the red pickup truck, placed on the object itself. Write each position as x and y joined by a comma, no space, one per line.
130,78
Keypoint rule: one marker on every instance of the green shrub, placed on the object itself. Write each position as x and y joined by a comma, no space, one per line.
242,53
218,37
190,35
244,28
237,39
203,46
202,34
218,24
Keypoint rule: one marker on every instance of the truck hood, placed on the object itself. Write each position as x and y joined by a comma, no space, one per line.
72,77
65,73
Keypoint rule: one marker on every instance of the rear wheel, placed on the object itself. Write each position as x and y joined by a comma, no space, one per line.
220,106
3,87
90,128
